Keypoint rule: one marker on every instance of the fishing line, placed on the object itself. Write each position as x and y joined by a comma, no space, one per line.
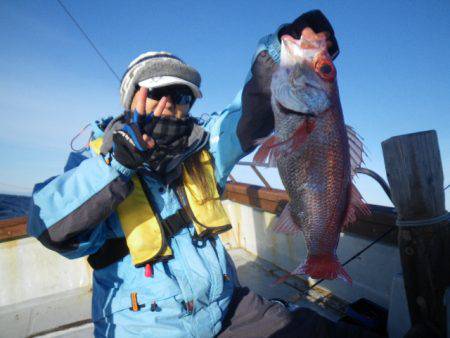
101,57
387,190
89,40
379,238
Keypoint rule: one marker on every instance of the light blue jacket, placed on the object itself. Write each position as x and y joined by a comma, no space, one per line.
74,214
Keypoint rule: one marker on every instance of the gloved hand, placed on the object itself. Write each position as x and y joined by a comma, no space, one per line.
318,22
257,119
129,147
132,145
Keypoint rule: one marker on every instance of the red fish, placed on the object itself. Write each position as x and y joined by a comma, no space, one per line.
315,152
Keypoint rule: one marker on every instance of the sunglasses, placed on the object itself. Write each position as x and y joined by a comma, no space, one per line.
179,94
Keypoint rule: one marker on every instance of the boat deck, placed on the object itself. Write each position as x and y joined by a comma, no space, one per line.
253,272
46,295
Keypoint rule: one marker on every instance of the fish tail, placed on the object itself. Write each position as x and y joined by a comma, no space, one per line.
323,267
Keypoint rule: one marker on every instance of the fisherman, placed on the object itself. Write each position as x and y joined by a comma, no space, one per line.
143,204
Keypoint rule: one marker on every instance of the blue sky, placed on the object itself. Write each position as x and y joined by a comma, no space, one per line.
393,69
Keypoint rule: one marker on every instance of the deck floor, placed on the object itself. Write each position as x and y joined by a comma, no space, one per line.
258,275
254,273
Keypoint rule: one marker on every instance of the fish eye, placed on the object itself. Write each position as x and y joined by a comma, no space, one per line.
325,68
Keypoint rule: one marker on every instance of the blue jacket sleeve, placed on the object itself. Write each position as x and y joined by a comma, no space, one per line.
234,131
68,212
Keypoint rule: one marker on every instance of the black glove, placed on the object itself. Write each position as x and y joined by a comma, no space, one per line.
257,117
318,22
129,147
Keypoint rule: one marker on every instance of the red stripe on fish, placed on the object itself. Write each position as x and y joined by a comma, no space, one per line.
301,135
266,150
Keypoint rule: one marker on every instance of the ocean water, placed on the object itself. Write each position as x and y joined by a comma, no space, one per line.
13,206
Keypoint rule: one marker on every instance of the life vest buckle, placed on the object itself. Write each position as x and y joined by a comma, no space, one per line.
198,242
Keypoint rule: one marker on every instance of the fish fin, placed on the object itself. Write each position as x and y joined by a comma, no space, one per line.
270,145
323,267
356,205
263,140
266,150
285,223
301,135
356,147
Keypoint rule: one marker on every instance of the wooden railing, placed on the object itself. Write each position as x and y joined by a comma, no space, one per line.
266,199
13,228
273,201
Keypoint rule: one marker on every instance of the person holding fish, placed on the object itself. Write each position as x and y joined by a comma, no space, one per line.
143,202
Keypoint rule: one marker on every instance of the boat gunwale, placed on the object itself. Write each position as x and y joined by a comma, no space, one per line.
262,198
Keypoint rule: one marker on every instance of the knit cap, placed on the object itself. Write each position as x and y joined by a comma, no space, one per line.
157,69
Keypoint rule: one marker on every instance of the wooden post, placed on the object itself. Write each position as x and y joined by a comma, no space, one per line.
414,170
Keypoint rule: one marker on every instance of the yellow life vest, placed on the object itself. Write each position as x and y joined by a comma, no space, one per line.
144,233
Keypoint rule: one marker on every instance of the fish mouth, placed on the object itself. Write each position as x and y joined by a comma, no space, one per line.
285,110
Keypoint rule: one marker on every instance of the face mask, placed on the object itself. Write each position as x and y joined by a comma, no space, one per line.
171,138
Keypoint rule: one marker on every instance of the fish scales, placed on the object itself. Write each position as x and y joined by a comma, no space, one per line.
316,178
311,149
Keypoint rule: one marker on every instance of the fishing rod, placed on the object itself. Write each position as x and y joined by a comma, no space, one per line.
387,190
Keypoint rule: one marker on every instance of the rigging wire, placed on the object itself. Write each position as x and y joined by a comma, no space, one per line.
89,40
